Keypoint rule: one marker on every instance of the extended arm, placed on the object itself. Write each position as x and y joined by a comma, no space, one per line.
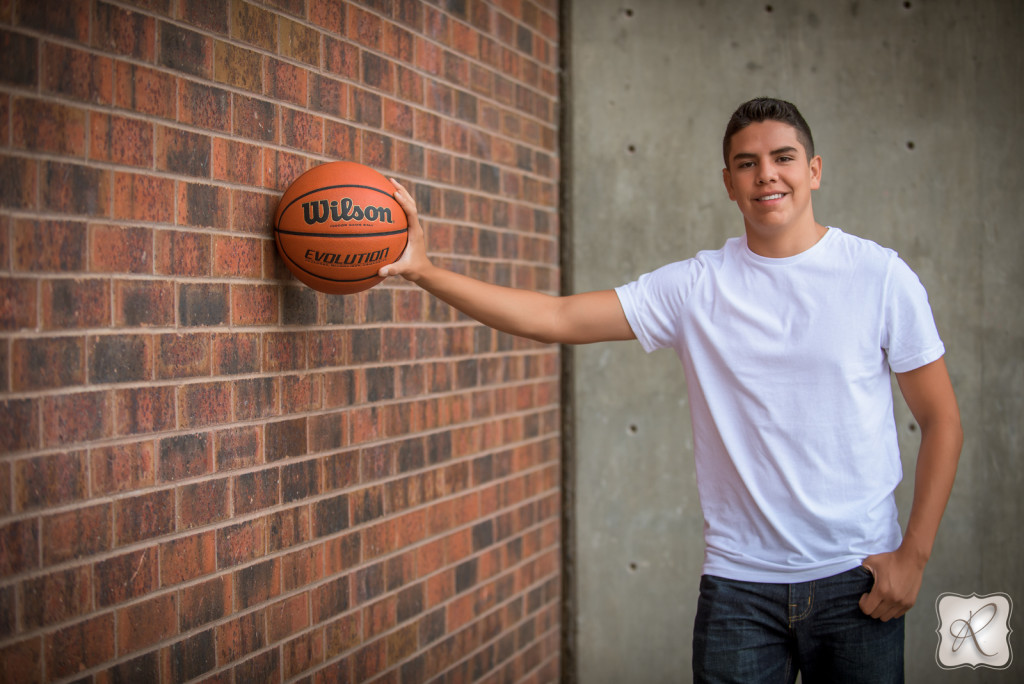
573,319
929,395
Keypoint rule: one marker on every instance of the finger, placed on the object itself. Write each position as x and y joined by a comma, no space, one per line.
868,603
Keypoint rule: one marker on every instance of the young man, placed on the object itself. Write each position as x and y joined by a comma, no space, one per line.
787,336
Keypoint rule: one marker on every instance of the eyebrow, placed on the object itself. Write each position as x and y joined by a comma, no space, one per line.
750,155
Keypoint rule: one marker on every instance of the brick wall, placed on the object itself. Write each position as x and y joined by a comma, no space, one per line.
209,471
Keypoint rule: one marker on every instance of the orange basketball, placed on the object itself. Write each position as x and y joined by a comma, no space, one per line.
337,225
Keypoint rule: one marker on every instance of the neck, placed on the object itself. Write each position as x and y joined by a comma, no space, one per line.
779,244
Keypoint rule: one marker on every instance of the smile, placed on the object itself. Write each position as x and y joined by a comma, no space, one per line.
768,198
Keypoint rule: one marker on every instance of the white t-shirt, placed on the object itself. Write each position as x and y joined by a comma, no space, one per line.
787,364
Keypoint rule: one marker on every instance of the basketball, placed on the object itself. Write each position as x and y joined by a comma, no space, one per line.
337,224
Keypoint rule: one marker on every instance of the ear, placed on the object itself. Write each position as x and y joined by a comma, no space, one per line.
816,172
727,179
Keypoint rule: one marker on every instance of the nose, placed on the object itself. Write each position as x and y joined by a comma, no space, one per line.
766,174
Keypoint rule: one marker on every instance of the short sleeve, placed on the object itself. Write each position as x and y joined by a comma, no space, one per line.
654,303
911,337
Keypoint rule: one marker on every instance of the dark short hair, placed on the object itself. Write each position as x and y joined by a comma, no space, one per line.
767,109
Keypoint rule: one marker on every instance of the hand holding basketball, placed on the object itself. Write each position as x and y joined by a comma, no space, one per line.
414,259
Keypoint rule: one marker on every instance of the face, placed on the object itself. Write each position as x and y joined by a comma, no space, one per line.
770,178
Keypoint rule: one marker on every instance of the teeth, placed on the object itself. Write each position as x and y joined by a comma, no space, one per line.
777,195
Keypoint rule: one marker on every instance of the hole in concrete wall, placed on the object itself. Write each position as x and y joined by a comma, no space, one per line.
632,567
906,5
632,149
628,12
768,8
633,429
910,144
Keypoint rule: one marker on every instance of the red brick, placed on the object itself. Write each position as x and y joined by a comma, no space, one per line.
22,661
341,57
46,481
284,351
289,528
183,152
238,447
18,303
185,456
204,503
240,543
204,404
19,189
253,25
343,634
77,74
80,646
265,667
287,617
73,418
21,416
144,90
256,490
287,82
124,32
125,577
254,119
182,253
76,534
185,50
119,358
142,197
299,42
240,637
256,584
252,212
235,353
56,597
117,249
69,304
49,246
205,602
144,410
302,653
237,162
203,205
187,558
280,168
183,355
120,140
254,305
192,657
237,257
302,130
204,106
43,126
146,623
144,517
47,363
141,303
329,96
237,66
75,189
301,393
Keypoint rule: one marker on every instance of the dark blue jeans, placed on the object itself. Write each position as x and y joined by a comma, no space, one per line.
758,632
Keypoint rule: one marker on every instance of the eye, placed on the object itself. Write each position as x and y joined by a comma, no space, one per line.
785,158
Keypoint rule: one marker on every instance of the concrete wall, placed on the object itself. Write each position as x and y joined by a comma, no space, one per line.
914,106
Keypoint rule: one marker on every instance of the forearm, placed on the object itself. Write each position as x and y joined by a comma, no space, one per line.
518,312
937,461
